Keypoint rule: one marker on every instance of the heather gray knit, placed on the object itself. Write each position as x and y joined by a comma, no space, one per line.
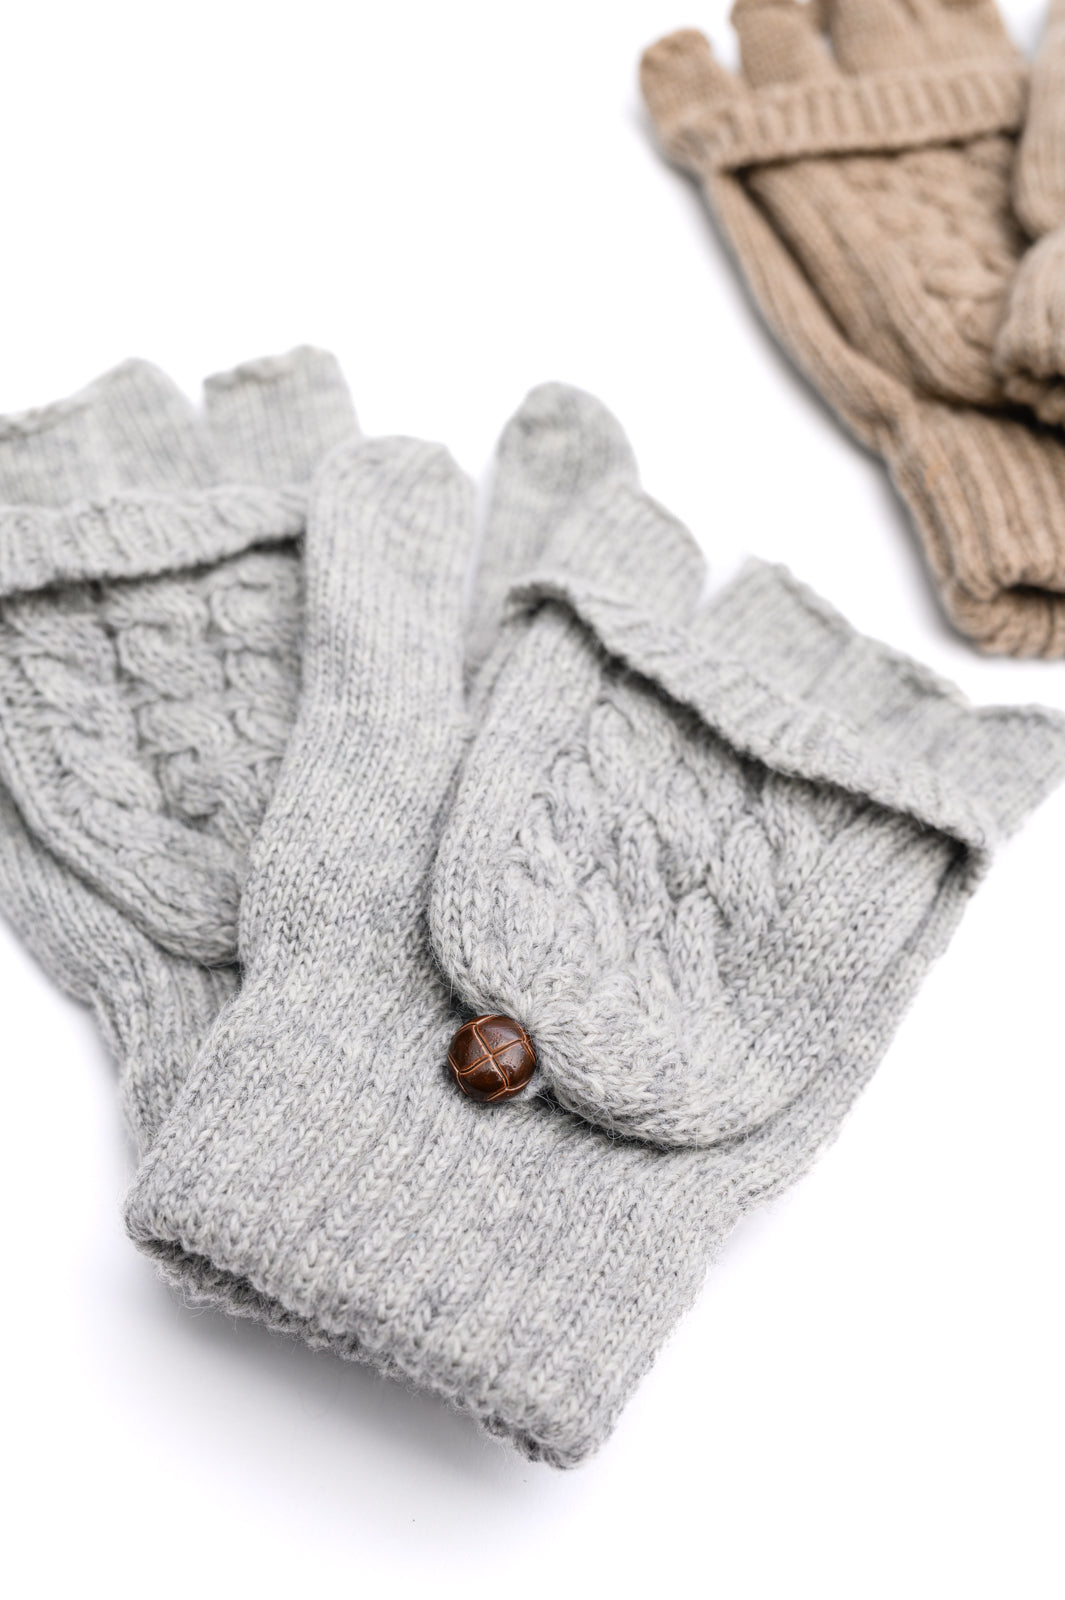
705,863
142,720
149,622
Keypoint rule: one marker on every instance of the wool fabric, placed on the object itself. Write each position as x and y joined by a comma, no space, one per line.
861,176
150,626
1030,353
705,860
150,600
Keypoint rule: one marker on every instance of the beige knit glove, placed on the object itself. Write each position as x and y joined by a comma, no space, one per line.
863,183
1030,354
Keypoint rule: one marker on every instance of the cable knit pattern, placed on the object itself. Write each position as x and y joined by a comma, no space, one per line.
878,236
663,830
1030,355
153,1010
914,254
143,711
141,721
687,900
142,728
628,914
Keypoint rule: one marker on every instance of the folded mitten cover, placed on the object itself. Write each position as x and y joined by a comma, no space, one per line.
704,862
150,617
862,181
149,629
1030,353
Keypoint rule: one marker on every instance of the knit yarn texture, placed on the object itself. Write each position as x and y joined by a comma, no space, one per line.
704,859
1030,353
862,177
150,603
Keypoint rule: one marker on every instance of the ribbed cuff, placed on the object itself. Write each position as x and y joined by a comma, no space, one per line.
885,112
988,496
140,536
727,127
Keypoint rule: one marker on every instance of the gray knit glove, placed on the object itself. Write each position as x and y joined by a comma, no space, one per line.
718,857
704,864
149,628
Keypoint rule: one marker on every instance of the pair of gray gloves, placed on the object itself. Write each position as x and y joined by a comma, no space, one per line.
286,808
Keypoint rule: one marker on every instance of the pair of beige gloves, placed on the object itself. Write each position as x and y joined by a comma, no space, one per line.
891,179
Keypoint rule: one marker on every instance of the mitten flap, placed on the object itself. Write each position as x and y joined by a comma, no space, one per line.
889,732
716,853
140,535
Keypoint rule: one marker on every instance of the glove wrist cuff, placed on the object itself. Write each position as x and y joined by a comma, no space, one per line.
988,495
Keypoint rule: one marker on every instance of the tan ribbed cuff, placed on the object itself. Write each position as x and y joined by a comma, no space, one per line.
988,497
884,112
881,111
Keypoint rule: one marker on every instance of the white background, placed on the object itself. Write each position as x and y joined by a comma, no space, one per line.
462,200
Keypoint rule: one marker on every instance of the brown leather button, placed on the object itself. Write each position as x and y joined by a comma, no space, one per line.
492,1058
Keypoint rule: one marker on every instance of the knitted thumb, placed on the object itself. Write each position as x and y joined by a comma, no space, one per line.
245,1195
1030,352
380,723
